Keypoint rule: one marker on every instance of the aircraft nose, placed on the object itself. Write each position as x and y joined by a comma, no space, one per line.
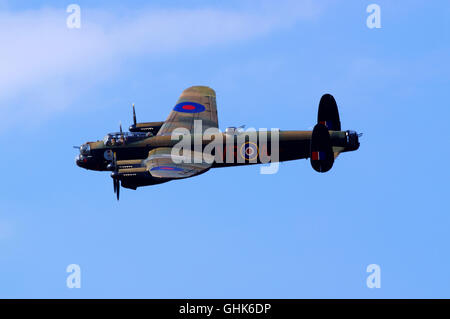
81,161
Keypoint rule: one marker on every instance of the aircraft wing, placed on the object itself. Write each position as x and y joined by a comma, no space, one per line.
161,163
195,103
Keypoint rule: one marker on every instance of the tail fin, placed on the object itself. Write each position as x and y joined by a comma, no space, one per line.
322,156
328,114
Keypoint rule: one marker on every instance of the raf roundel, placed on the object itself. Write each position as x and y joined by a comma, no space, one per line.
189,107
249,151
166,168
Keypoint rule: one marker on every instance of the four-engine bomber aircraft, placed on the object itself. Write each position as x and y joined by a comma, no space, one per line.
144,156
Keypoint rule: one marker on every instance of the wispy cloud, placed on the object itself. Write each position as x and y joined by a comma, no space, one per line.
43,61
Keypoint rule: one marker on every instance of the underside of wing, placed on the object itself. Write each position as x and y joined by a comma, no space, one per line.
162,164
195,103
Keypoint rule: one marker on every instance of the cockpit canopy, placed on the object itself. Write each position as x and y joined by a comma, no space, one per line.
117,138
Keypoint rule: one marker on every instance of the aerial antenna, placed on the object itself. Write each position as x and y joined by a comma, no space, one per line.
134,115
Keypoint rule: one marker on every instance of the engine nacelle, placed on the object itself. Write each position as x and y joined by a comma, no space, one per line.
146,127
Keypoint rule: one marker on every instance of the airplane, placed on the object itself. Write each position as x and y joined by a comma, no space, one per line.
143,156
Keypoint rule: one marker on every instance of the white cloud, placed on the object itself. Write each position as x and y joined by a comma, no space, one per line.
41,60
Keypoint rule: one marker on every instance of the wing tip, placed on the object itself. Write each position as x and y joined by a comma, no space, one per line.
203,90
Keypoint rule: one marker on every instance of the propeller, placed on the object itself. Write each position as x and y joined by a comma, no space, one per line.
134,115
115,177
77,147
118,189
122,138
360,134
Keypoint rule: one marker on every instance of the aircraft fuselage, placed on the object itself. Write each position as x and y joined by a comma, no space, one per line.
292,145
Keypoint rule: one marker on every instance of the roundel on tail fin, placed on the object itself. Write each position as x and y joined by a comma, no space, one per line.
328,113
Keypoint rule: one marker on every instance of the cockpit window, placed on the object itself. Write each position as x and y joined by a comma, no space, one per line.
117,139
85,149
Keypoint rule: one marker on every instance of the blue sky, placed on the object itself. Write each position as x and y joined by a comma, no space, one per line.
230,232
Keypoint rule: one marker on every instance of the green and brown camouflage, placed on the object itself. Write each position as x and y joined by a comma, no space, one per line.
181,116
139,159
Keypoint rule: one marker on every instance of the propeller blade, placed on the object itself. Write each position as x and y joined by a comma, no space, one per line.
115,176
120,125
134,115
77,147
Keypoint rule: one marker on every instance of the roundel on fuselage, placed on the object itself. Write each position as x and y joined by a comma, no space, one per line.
108,155
249,151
